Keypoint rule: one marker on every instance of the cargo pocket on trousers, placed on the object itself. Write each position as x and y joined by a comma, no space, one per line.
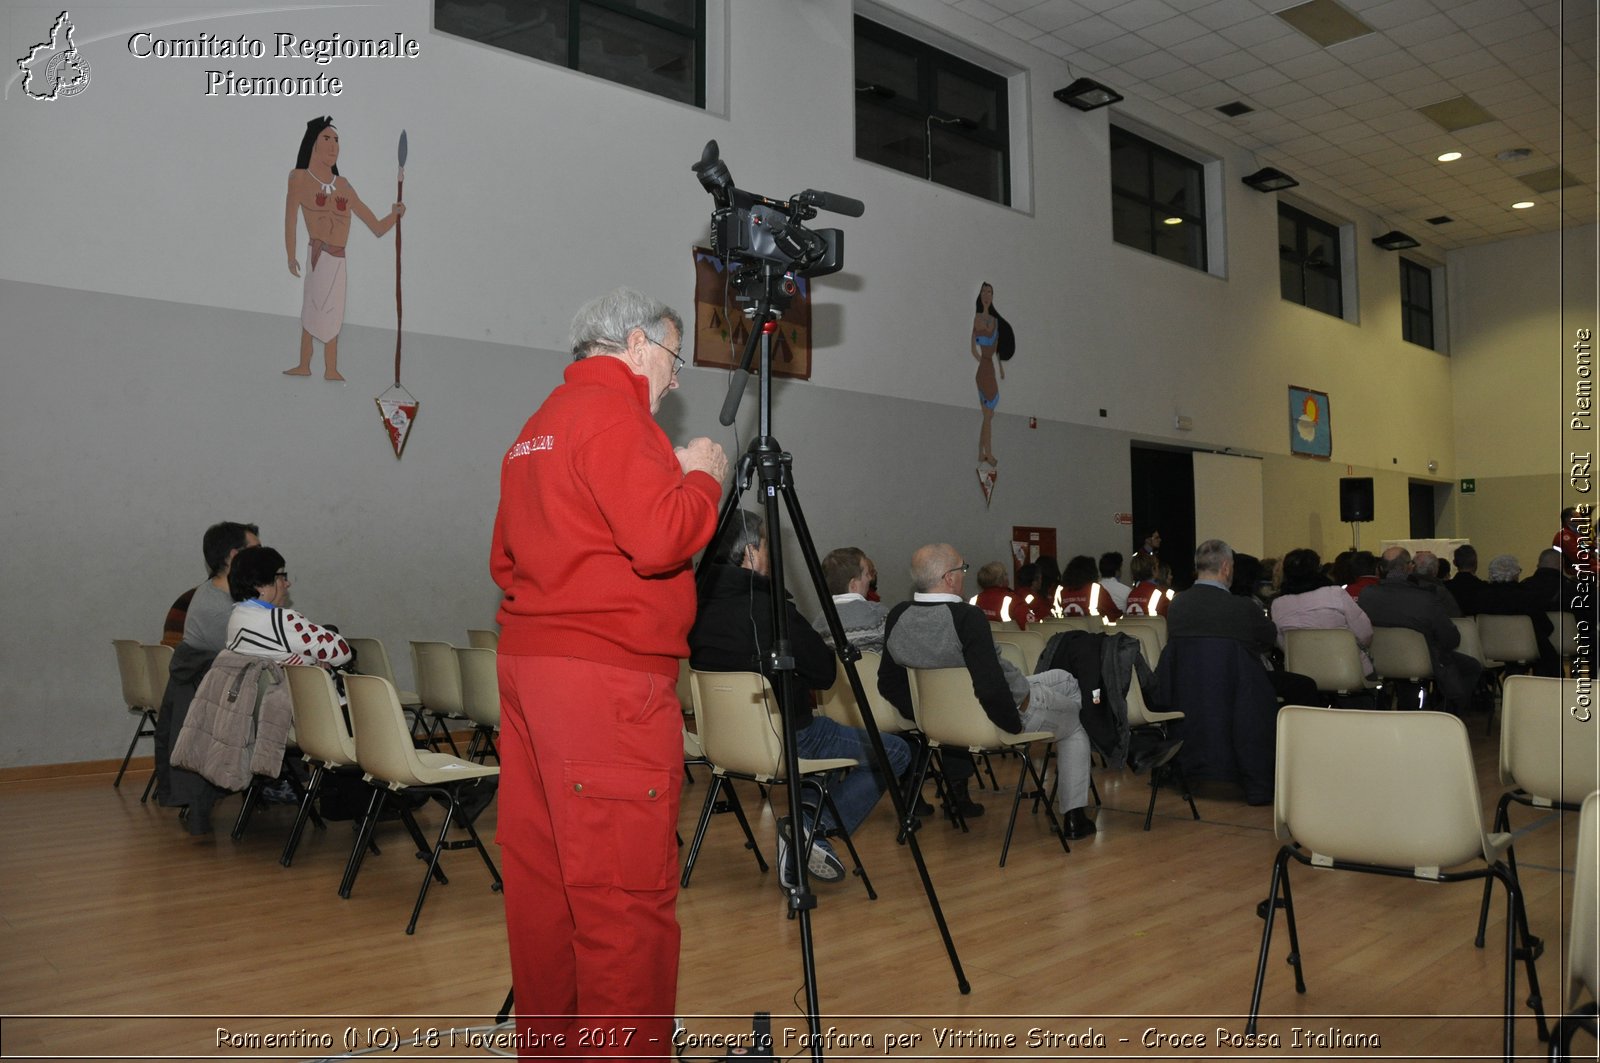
623,821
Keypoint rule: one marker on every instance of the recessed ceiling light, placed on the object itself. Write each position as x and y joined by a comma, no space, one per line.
1450,156
1171,221
1524,205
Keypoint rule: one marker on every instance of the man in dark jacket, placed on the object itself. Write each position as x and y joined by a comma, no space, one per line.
732,633
1396,602
1465,586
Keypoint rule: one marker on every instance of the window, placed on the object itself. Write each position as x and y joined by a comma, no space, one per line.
655,45
1158,200
1416,303
1309,269
925,112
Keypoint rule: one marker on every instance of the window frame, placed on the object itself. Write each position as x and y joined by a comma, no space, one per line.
1199,216
1410,268
1305,222
930,59
575,8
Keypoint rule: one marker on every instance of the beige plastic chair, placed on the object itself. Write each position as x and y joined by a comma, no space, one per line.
736,717
1548,757
1508,639
838,702
439,687
1158,624
1564,637
1401,654
1470,644
1391,794
1030,643
1142,718
1330,656
483,638
158,666
1583,939
948,713
323,737
392,764
1146,635
480,698
139,696
373,659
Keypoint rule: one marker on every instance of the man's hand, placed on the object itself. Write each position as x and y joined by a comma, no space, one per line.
703,455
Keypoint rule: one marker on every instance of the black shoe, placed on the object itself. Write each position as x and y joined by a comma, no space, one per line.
963,804
922,808
1078,824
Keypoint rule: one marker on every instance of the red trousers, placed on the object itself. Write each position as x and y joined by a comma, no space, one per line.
591,768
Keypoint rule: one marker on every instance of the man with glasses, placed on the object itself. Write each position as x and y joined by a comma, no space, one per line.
938,629
599,517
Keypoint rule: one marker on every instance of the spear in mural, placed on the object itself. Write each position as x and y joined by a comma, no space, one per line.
397,406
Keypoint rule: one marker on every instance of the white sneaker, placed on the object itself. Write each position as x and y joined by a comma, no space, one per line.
824,865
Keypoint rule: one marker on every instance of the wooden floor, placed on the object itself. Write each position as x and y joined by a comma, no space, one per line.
122,939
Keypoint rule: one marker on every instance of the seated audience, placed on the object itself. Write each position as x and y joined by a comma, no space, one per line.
1309,600
1251,579
732,632
998,602
1506,595
1425,574
937,629
262,624
1549,586
202,627
1080,593
1029,603
1209,609
1396,602
1049,583
1149,596
1575,540
1465,586
1362,571
1110,578
849,574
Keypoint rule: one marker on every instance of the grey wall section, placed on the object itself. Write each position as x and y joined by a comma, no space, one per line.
129,425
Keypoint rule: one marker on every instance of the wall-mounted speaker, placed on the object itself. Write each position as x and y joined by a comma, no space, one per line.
1355,498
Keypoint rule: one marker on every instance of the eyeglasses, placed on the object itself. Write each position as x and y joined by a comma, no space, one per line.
280,575
959,568
677,359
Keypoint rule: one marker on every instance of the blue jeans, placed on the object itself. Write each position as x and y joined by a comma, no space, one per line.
857,791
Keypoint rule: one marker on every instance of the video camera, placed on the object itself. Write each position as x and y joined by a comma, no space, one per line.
745,226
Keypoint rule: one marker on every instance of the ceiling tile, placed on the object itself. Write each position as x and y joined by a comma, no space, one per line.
1384,65
1231,65
1476,12
1052,15
1090,32
1256,31
1124,49
1137,14
1156,63
1387,14
1198,50
1437,48
1360,92
1259,80
1225,13
1174,31
1425,29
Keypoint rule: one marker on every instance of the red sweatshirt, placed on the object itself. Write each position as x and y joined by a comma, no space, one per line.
596,528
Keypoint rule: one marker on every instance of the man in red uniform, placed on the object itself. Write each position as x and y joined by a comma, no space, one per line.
599,517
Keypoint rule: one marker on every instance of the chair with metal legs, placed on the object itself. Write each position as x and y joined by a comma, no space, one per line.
1582,974
391,762
138,696
1384,793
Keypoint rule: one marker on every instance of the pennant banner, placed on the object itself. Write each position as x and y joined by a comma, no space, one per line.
398,417
987,474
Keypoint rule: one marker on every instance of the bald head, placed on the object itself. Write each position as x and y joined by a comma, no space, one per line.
1425,564
1396,561
930,564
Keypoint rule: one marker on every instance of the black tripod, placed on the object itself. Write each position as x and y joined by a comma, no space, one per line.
768,464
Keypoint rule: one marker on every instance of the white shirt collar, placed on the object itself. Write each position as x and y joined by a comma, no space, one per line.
840,599
928,596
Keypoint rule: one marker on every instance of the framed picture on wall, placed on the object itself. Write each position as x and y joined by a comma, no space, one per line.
1310,428
721,329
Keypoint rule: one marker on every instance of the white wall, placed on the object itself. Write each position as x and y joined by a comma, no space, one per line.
148,312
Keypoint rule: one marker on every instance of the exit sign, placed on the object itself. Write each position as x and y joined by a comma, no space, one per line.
1469,487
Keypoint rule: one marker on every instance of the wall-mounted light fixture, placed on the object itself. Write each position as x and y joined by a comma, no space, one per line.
1087,94
1269,179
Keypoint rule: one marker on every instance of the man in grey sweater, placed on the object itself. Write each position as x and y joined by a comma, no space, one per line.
848,573
937,629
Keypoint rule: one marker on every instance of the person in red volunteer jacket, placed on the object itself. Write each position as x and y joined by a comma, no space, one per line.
599,517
